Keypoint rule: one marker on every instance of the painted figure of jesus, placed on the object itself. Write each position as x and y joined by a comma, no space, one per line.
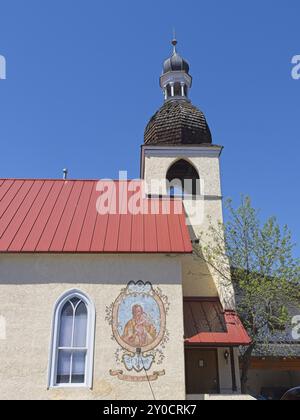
139,331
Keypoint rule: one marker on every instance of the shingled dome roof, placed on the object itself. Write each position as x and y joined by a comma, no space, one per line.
177,122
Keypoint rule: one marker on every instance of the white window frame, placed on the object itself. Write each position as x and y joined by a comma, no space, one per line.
54,343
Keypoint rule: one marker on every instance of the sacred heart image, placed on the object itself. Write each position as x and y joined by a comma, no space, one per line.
138,321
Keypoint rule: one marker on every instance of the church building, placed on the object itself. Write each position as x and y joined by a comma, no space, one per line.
102,295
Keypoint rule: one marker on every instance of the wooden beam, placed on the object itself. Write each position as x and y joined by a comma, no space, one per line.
273,363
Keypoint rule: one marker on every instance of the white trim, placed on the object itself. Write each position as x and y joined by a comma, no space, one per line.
182,151
53,351
173,77
182,84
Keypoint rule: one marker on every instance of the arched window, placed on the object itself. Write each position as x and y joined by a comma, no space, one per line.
183,180
71,359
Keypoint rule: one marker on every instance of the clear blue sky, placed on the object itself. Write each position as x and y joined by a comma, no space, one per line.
82,82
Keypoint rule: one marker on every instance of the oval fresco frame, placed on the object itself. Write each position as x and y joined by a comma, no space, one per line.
115,318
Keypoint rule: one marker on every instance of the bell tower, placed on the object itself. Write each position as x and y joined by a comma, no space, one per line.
175,80
180,160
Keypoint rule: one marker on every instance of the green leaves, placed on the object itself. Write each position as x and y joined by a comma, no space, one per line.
265,274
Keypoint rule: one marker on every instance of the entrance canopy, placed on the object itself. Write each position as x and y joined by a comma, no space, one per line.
207,324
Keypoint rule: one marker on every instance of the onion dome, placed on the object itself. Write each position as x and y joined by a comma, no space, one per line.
175,62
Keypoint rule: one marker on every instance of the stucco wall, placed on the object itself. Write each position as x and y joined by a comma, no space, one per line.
197,279
156,167
200,279
29,288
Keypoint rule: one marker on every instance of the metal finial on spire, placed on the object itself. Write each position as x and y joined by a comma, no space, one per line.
175,80
174,41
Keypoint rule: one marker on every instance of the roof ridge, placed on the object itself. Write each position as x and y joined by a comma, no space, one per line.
70,180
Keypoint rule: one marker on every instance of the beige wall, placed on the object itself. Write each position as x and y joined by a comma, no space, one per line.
200,279
156,167
197,279
29,288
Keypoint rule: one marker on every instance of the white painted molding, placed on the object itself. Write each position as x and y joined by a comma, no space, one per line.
175,151
53,353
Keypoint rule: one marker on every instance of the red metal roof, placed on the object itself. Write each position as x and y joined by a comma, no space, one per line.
207,324
61,216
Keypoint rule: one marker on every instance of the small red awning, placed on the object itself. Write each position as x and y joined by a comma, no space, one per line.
207,324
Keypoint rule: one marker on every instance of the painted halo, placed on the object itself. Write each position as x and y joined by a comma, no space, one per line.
142,297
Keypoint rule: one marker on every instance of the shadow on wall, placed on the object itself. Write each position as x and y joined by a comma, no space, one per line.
89,269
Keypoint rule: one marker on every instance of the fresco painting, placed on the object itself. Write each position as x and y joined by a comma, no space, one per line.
138,320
